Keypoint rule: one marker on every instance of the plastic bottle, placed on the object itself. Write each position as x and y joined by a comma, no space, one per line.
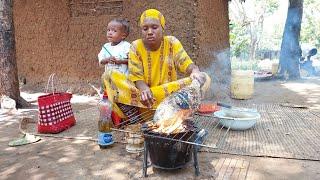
105,120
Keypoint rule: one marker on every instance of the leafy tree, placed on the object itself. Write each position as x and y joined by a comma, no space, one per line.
310,32
247,24
239,40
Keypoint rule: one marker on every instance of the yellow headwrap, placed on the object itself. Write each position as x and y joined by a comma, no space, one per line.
152,13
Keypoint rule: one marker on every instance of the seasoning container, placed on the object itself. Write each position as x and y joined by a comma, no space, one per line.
134,139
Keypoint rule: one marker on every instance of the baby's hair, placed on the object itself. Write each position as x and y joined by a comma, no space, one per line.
124,23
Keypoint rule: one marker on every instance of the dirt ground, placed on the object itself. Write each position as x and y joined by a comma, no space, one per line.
53,158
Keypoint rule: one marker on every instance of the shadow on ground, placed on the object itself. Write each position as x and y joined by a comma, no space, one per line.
53,158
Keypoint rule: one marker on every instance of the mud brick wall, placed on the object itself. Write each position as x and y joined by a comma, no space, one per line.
65,36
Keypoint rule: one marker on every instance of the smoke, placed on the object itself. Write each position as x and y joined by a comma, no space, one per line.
220,72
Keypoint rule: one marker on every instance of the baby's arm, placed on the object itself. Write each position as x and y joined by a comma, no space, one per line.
126,57
121,61
111,60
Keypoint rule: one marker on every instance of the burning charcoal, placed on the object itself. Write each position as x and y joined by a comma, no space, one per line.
168,126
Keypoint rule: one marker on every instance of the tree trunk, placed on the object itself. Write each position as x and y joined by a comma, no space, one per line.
9,84
253,45
290,48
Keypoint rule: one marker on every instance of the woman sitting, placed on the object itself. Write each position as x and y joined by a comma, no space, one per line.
154,63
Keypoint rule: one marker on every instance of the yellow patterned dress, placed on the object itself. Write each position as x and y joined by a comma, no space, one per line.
159,69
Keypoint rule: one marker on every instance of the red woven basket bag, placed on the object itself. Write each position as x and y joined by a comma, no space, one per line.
55,111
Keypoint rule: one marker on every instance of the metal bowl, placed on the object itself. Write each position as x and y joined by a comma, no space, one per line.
241,120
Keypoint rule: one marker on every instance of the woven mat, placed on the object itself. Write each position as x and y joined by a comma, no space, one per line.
281,132
86,127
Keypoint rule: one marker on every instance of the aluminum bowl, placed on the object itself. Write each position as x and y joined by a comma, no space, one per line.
237,121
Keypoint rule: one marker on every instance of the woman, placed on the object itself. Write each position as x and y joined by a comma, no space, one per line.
154,61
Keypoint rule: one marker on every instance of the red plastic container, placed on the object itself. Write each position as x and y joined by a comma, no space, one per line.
115,119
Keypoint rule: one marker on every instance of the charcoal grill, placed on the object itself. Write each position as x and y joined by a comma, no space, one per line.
167,154
175,151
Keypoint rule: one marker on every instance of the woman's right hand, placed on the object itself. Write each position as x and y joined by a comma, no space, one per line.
147,98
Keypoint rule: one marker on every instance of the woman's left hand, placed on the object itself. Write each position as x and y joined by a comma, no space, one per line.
194,72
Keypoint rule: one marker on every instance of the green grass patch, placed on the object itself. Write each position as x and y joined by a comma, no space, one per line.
237,64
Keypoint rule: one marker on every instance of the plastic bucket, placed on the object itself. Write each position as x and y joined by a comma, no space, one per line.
242,84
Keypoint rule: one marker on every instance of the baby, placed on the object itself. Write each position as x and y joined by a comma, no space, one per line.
114,54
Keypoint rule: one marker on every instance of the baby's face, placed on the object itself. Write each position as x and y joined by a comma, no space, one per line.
115,32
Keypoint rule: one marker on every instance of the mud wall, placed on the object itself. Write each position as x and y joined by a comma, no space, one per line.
65,36
212,44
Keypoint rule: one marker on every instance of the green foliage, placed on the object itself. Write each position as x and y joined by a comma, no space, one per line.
272,6
239,41
310,28
246,29
237,64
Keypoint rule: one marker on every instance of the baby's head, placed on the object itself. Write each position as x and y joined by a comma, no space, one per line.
117,30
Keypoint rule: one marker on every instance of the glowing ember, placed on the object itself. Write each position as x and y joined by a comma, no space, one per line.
174,124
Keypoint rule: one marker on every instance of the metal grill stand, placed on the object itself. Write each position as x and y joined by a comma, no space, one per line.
216,134
146,165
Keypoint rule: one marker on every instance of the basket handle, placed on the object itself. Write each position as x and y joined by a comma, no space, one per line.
51,80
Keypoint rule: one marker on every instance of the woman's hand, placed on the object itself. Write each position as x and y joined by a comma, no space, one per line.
147,98
200,77
195,73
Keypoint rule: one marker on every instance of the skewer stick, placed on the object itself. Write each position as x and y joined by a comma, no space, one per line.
107,50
